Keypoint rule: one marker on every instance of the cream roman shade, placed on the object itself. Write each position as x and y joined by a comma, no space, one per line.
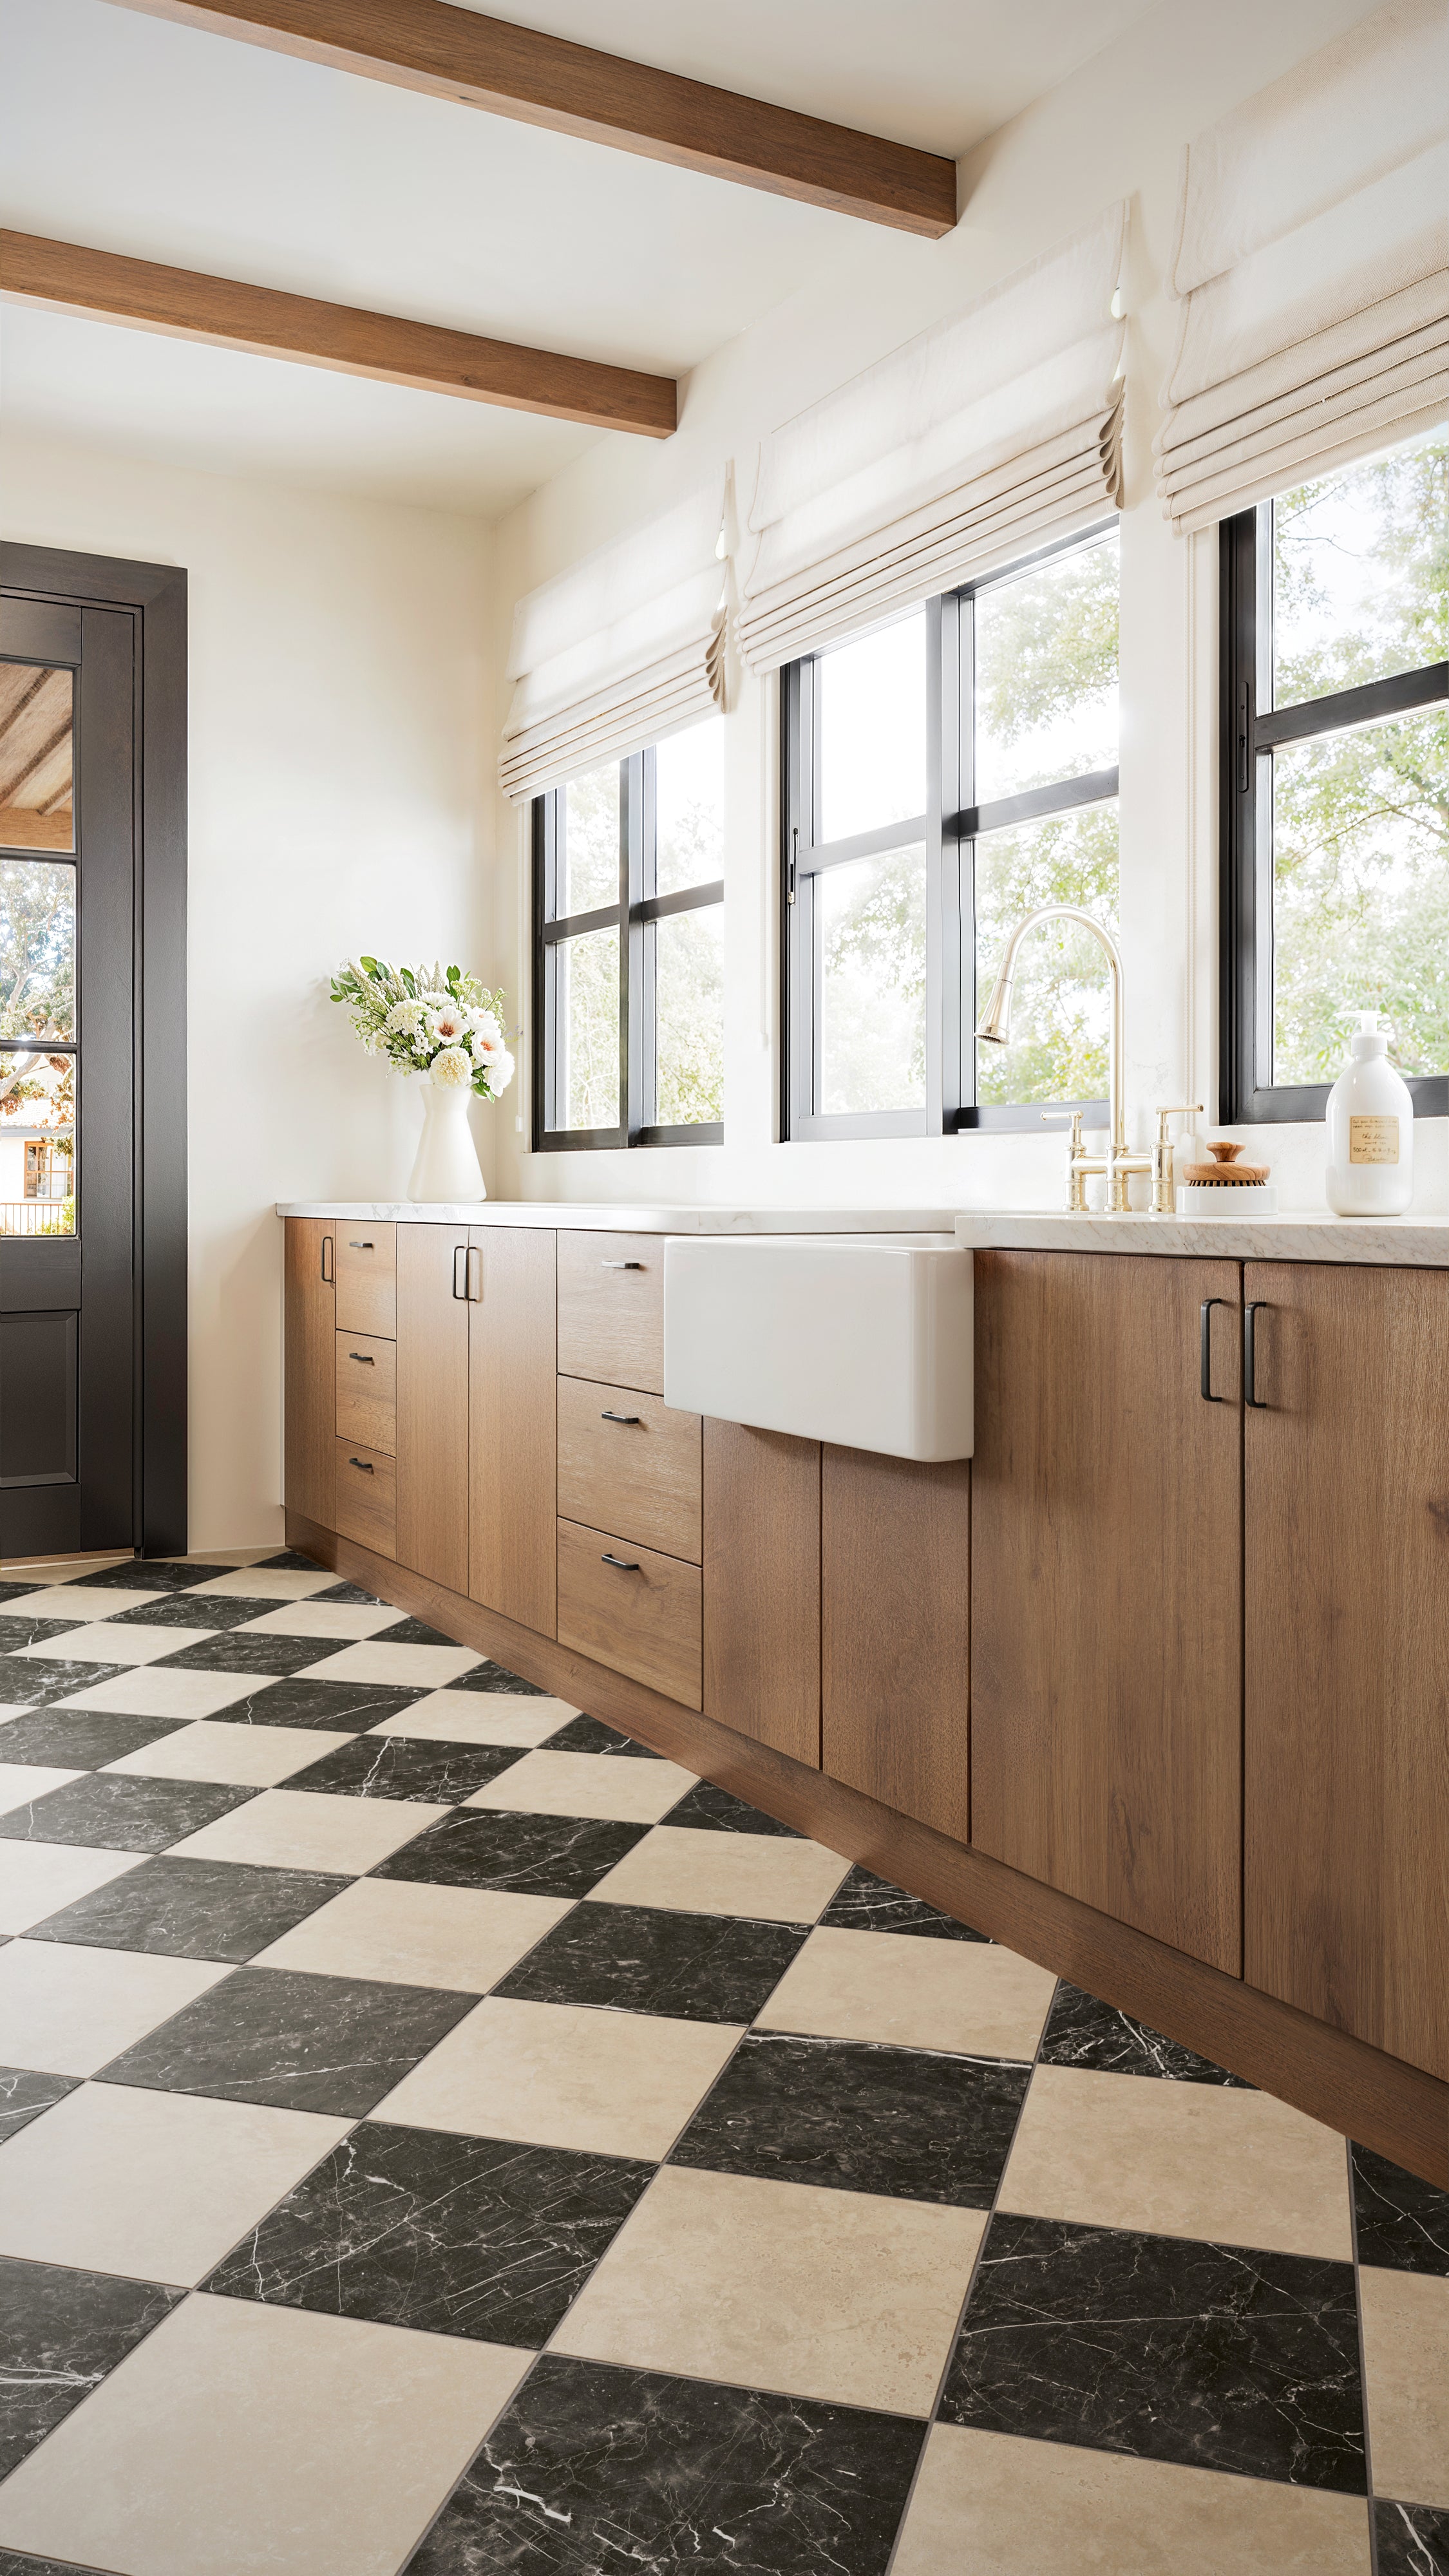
1313,263
984,437
624,647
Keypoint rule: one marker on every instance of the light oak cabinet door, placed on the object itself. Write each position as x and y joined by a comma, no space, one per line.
895,1557
1106,1582
366,1258
310,1323
1346,1870
630,1608
762,1586
513,1424
611,1309
432,1402
631,1463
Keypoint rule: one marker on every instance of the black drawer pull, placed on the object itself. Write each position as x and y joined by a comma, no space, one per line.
364,1359
625,1564
361,1247
1250,1356
1208,1396
327,1259
607,1416
365,1464
621,1265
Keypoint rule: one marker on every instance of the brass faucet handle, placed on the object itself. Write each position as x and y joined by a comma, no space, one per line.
1182,1109
1060,1118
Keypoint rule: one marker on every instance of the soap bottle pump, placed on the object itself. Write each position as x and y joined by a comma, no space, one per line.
1370,1130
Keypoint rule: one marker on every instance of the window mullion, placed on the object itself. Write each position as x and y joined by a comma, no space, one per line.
633,799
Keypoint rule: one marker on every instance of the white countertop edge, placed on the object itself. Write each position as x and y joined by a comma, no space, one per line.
629,1220
1408,1241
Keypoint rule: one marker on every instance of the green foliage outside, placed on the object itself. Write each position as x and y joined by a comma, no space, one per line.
37,1001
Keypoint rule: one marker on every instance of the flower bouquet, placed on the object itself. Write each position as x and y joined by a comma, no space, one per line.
440,1023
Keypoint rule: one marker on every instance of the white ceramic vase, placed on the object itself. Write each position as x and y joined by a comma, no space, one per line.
447,1167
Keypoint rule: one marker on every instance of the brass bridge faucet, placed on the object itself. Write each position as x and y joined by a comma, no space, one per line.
1117,1163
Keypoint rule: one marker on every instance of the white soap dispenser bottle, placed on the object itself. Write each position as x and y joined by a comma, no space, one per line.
1370,1130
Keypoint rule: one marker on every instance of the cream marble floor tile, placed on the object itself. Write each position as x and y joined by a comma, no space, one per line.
410,1934
105,1643
991,2504
480,1717
223,1558
155,2185
151,1692
22,1781
586,1784
245,1757
67,2011
1406,2375
266,1583
347,1621
37,1879
1204,2160
563,2075
829,2294
402,1667
58,1601
299,1829
969,1997
243,2440
692,1871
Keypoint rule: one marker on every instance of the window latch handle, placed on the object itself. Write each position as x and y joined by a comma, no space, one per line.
794,862
1245,723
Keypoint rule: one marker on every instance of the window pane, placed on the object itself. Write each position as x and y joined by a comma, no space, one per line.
588,873
1361,572
37,949
1061,999
36,804
1046,673
689,1017
870,917
870,701
689,808
588,1030
37,1143
1361,896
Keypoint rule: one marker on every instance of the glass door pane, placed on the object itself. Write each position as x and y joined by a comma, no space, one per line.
37,805
37,1033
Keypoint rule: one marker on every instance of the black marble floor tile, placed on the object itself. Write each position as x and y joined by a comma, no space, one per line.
854,2116
1409,2539
1403,2224
407,1766
79,1739
122,1811
1080,2031
24,2095
485,1676
336,1707
242,1650
303,2043
718,1811
641,1958
354,1593
461,2236
590,1735
15,1633
415,1632
535,1855
189,1908
61,2334
10,2565
214,1610
35,1681
1165,2348
593,2468
864,1903
288,1560
16,1591
148,1574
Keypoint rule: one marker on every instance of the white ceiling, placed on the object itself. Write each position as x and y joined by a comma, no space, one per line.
130,134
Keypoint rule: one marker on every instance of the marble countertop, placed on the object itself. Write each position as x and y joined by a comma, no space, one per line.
571,1216
1413,1242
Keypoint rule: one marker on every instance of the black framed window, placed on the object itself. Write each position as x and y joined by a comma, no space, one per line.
628,1017
1335,782
944,774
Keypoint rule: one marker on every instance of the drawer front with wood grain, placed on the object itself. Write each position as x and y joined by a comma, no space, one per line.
367,1497
367,1391
631,1609
366,1278
630,1462
611,1309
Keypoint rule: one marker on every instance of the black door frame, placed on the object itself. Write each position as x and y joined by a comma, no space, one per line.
154,595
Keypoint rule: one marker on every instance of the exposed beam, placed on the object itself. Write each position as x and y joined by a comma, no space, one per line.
67,278
544,80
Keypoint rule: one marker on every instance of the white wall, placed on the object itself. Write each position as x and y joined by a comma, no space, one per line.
1115,129
338,755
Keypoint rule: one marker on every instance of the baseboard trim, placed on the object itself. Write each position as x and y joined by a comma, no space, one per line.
1397,2109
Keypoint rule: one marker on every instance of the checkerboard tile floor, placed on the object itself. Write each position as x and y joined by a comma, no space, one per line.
433,2141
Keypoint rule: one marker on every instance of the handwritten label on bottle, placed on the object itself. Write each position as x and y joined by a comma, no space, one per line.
1373,1140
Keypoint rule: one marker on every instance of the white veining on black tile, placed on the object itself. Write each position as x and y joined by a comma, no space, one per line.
719,1811
1081,2031
18,1633
1409,2540
865,1903
534,1855
590,1735
61,2333
414,1632
215,1610
304,2043
487,1676
122,1811
243,1650
1403,2223
24,2094
407,1766
35,1684
144,1574
641,1958
188,1908
79,1739
336,1708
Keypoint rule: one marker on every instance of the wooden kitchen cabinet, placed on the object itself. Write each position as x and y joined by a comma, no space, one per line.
1346,1721
1106,1578
513,1424
895,1559
432,1402
762,1586
310,1367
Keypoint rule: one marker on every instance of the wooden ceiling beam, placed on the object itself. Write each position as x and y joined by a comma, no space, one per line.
454,53
65,277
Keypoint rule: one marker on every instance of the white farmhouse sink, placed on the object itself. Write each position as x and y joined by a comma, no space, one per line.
862,1340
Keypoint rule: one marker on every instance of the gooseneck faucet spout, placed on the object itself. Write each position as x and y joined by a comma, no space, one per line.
995,1021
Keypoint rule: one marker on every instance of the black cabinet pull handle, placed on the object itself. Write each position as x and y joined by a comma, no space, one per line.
625,1564
364,1359
359,1247
460,1254
473,1279
607,1416
327,1259
364,1464
621,1265
1208,1396
1250,1356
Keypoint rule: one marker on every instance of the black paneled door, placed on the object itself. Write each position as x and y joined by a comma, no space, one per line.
70,1287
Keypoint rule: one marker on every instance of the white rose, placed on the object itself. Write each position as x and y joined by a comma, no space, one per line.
483,1025
452,1068
499,1070
404,1017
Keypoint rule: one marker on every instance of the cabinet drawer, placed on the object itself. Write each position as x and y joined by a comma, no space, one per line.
632,1462
366,1278
367,1497
641,1617
611,1309
367,1391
